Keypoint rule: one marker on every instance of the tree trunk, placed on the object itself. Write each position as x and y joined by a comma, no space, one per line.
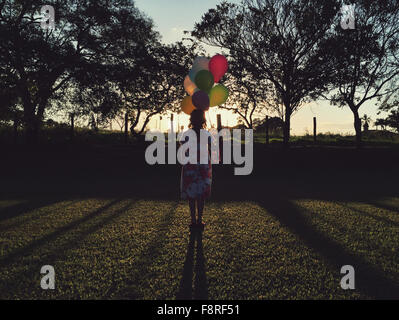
135,122
147,119
29,120
33,120
358,127
126,128
72,133
32,127
287,127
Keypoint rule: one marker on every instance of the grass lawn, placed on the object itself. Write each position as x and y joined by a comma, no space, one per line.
263,240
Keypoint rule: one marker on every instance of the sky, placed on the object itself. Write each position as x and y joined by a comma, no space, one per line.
172,17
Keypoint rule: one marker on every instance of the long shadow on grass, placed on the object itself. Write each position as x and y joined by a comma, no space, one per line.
68,244
186,283
139,275
383,206
200,290
353,234
200,281
23,251
368,214
28,216
369,280
76,241
25,207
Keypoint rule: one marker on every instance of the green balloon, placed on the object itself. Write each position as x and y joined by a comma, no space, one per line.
218,95
204,80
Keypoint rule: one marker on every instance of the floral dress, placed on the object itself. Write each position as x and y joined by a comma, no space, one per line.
196,179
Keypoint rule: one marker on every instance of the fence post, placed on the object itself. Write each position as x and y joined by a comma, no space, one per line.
314,130
267,130
219,127
126,127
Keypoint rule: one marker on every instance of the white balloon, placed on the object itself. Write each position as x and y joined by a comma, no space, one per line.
200,63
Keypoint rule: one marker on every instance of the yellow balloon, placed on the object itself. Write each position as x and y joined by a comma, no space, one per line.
187,105
189,86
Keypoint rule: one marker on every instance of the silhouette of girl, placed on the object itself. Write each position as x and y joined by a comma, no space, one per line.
196,179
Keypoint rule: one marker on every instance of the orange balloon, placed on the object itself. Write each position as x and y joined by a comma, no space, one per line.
187,105
190,86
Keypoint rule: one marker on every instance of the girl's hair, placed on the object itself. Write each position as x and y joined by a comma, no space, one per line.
197,120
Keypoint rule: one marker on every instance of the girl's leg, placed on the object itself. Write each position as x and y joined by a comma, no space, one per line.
191,203
200,205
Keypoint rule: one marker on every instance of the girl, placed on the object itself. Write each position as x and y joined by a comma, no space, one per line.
196,179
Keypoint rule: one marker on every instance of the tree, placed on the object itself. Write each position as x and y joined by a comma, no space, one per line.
247,96
159,88
277,41
275,125
381,123
8,106
366,121
389,106
8,99
90,37
393,120
97,100
363,62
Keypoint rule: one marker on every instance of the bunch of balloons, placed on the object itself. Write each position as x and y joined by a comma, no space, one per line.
199,84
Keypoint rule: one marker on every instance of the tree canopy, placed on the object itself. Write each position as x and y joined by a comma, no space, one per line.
90,43
363,62
277,41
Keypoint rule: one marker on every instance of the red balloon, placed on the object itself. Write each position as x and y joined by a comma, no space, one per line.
218,66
